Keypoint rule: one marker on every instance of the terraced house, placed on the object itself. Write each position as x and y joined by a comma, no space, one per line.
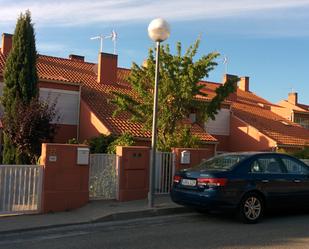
82,89
293,110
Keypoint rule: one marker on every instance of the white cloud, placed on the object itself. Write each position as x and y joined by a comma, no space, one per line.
84,12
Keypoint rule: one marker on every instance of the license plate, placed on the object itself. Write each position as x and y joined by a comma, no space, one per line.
188,182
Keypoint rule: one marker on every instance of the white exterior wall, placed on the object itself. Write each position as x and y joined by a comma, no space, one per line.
221,124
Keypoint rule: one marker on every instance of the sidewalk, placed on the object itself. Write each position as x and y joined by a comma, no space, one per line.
94,211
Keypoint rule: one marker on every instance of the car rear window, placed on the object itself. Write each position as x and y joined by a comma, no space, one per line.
221,163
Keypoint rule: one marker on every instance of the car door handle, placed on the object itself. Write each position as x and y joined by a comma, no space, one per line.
297,181
265,181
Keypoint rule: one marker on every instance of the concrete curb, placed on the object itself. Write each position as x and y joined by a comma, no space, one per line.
143,214
110,217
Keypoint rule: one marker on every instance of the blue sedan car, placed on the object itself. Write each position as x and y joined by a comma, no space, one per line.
248,182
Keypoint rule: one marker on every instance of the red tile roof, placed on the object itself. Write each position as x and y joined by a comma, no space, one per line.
248,106
298,107
304,107
200,132
2,62
255,111
272,125
96,95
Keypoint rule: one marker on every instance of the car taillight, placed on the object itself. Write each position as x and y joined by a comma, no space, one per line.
177,179
211,182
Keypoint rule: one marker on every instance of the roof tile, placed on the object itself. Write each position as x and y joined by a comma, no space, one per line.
248,106
96,95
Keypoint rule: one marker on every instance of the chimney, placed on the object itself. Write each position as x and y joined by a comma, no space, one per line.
74,57
232,96
244,84
293,98
6,46
227,77
107,68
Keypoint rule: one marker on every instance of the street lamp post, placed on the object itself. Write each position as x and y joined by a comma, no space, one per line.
158,31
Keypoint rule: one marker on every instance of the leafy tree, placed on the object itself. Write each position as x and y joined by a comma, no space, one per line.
100,143
29,128
72,141
302,154
125,139
182,137
20,94
178,89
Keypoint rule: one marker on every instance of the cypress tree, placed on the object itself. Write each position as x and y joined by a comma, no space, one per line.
20,79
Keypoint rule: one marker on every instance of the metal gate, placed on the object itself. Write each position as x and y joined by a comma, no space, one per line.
20,189
103,176
165,170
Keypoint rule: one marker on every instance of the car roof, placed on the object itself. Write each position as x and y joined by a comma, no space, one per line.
247,153
252,153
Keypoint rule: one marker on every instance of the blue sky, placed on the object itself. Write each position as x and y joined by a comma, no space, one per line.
267,40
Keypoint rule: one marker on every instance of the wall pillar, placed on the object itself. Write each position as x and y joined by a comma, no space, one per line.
196,156
133,172
65,180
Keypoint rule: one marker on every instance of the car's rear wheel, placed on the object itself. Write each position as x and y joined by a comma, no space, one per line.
251,208
202,210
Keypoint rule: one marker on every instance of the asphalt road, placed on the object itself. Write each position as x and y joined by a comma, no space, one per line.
179,231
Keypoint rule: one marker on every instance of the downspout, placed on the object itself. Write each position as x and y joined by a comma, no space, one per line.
78,113
215,149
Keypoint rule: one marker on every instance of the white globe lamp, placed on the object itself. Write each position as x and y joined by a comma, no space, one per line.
158,30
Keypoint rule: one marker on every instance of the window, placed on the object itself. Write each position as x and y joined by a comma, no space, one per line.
267,165
67,104
304,122
294,167
221,124
223,162
255,168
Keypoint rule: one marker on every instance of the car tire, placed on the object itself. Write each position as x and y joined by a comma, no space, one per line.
251,208
202,210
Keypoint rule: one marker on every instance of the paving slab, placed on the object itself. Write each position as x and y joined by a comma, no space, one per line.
94,211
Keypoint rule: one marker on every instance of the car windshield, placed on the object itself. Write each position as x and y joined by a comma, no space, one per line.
221,163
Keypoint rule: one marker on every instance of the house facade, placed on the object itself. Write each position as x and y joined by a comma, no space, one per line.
66,93
292,110
253,125
82,91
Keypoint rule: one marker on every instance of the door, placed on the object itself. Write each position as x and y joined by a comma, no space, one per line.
103,179
269,176
298,173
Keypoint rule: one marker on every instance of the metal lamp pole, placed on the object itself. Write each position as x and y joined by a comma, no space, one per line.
158,31
154,132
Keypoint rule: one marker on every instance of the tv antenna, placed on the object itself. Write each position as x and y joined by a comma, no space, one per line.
113,36
225,62
101,37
